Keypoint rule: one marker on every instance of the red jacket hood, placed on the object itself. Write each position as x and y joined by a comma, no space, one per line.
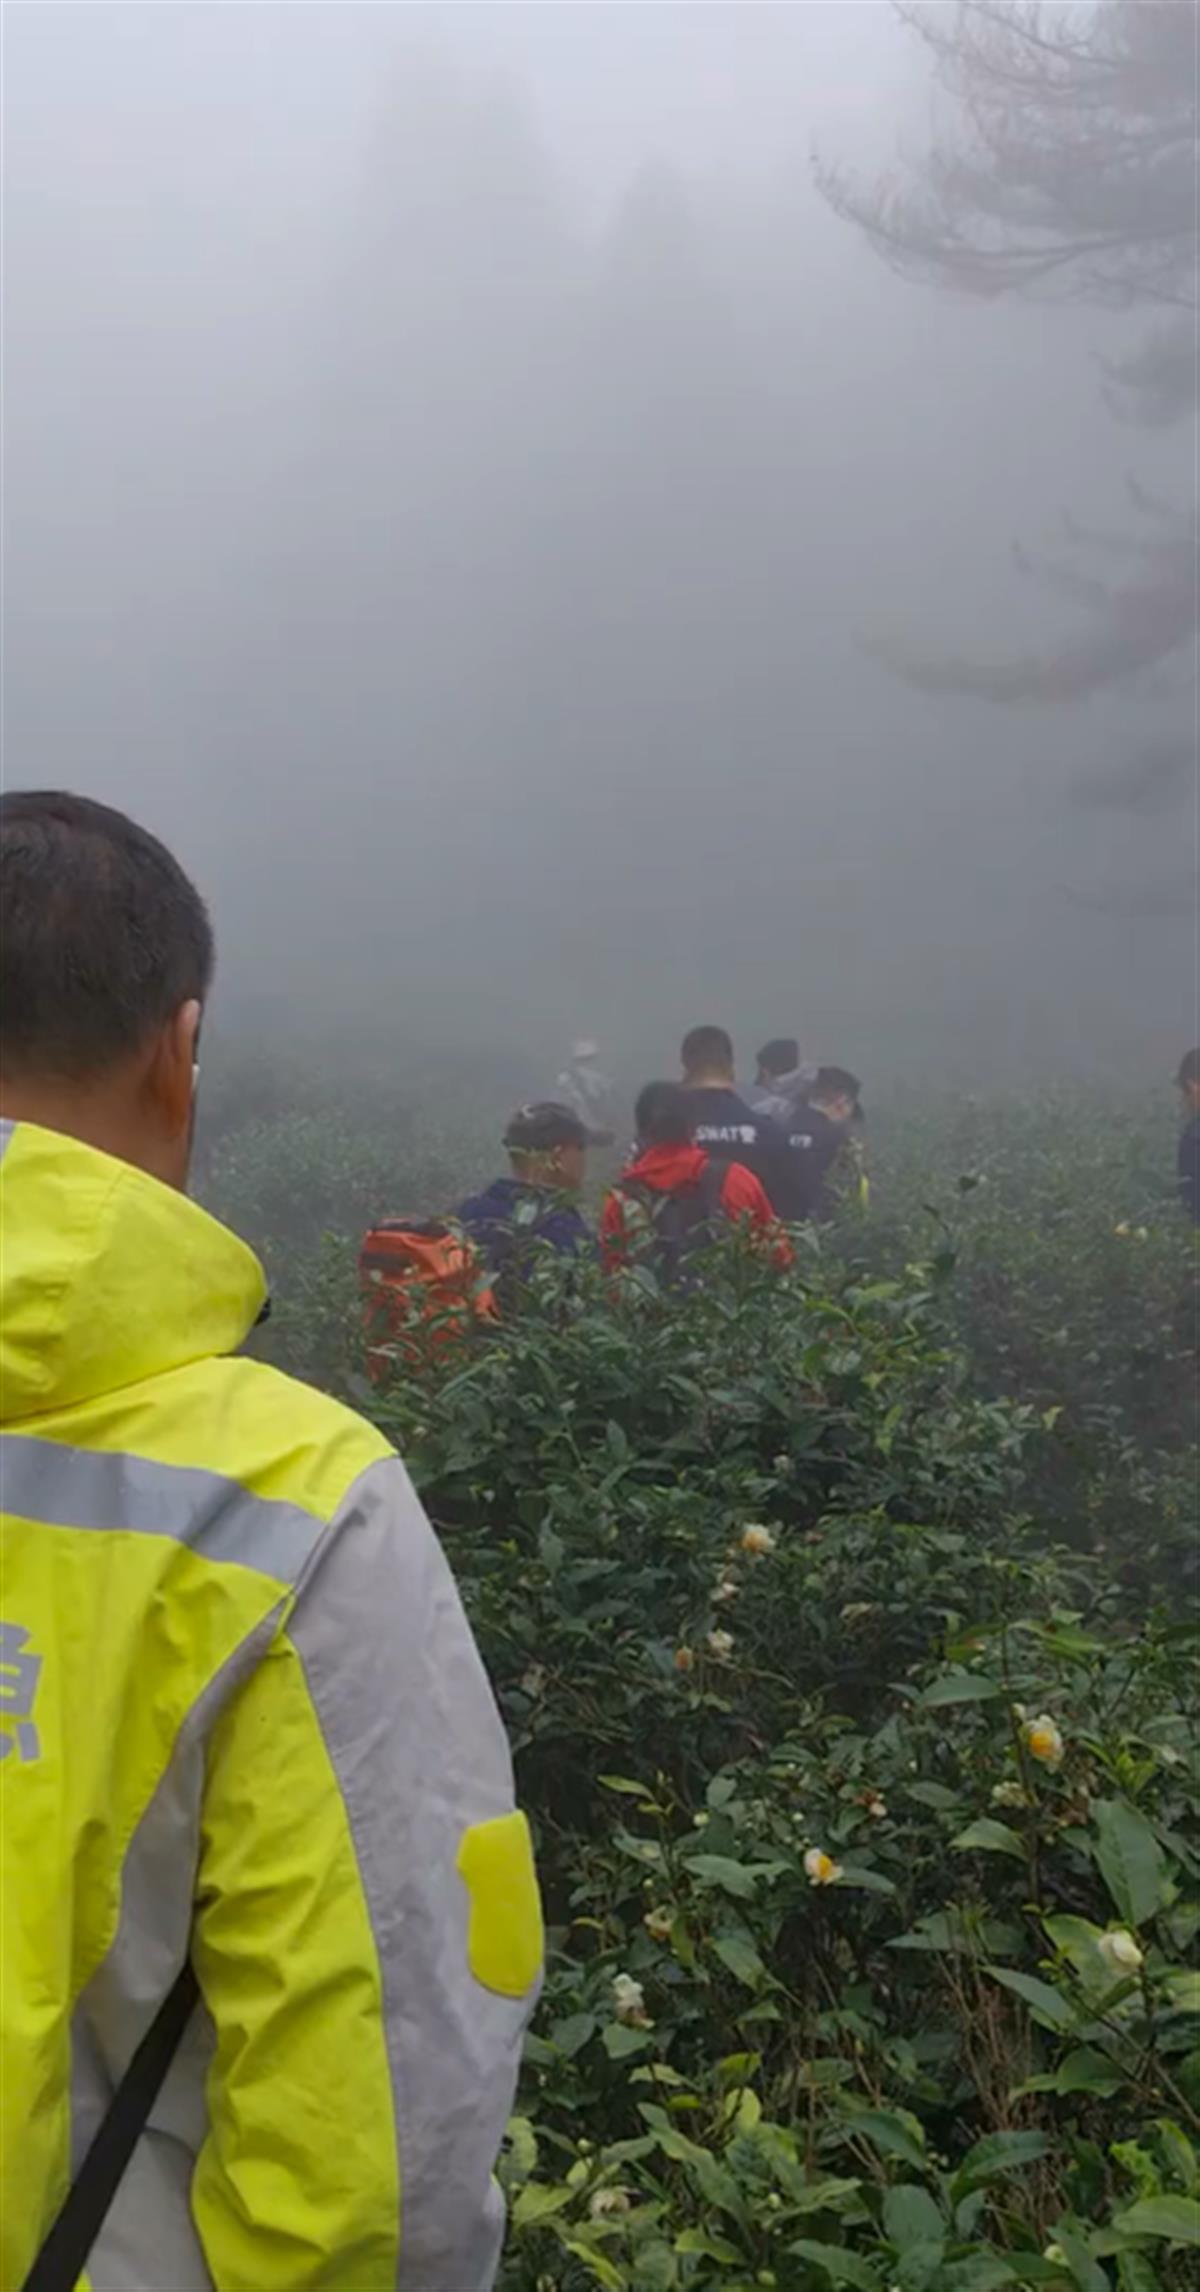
668,1169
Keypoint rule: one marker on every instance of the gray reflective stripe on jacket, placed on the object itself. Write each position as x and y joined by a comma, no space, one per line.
418,1686
149,2240
419,1755
66,1487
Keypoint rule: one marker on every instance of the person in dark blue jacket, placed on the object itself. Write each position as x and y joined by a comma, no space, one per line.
817,1136
547,1148
1188,1080
724,1124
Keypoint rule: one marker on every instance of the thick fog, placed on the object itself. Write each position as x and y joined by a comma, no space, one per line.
458,476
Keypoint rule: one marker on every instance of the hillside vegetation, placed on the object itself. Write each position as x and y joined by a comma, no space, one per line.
845,1628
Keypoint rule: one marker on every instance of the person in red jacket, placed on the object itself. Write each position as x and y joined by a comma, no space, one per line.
673,1195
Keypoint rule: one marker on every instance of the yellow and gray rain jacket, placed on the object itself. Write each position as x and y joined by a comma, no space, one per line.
241,1715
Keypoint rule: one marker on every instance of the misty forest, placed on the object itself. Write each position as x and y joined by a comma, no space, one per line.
580,522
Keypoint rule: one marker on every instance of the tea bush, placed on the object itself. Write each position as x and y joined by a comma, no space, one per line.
841,1625
862,1800
1074,1287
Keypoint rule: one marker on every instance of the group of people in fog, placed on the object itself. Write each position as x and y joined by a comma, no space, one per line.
705,1153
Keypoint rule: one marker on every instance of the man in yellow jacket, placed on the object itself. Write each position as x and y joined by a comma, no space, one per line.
242,1719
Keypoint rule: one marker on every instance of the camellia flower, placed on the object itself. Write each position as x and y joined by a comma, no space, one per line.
629,1998
720,1644
684,1659
725,1591
1043,1740
612,2200
757,1539
820,1869
659,1921
1119,1951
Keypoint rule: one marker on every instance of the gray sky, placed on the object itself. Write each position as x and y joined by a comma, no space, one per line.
452,461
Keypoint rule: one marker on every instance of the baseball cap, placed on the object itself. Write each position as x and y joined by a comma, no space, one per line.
538,1128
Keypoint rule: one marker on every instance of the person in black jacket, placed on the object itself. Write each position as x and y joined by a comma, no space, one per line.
723,1124
815,1137
1188,1080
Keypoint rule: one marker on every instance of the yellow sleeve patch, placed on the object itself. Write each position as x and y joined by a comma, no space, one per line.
504,1937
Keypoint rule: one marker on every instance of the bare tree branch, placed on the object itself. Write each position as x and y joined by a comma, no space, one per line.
1067,172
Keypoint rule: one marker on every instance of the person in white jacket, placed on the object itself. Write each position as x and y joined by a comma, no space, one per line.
783,1078
587,1090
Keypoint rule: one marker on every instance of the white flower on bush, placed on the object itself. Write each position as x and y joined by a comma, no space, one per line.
720,1645
820,1869
659,1921
1119,1951
1043,1741
603,2201
724,1591
1009,1795
876,1806
757,1540
629,2000
1123,1230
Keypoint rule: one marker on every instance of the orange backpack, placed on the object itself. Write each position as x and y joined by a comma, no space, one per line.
422,1287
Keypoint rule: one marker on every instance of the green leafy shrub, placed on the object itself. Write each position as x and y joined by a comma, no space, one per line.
843,1628
854,1978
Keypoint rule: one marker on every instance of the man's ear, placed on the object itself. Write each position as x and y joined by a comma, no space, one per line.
171,1076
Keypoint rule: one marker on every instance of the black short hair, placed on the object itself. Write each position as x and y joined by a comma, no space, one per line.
539,1128
834,1082
706,1047
662,1116
780,1056
1189,1070
103,936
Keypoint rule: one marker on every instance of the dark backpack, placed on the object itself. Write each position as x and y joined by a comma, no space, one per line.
674,1228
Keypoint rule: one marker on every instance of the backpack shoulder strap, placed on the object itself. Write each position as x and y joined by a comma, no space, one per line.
711,1187
81,2216
646,1198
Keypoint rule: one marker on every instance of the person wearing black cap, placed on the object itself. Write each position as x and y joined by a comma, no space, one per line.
547,1148
783,1079
816,1135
